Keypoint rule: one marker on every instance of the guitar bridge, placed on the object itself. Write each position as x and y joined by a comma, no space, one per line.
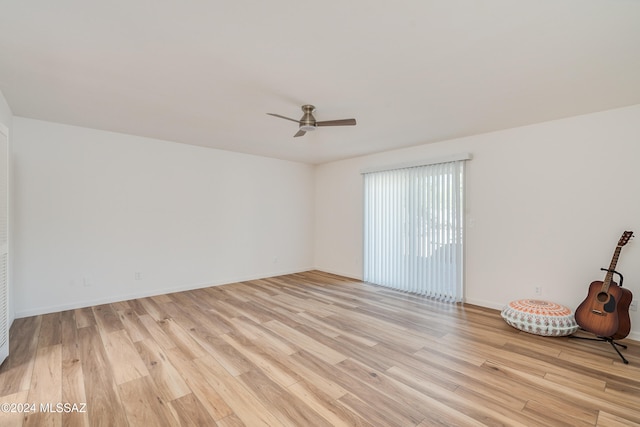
598,312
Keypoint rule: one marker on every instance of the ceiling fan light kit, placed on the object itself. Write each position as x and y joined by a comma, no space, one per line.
308,122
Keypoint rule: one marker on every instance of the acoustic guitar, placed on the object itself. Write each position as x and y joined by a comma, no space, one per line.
605,311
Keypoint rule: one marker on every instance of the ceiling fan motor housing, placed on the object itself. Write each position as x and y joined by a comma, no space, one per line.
308,122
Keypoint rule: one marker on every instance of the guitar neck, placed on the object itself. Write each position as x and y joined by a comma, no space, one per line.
609,277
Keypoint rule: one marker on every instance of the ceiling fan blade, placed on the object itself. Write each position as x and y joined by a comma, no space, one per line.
283,117
299,133
344,122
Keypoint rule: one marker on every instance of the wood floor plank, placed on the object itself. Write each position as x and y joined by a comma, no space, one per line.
162,298
575,401
326,406
168,381
269,365
13,418
84,317
230,421
189,411
73,391
107,319
152,308
328,329
207,396
608,420
317,372
557,414
245,404
50,330
511,415
143,406
287,407
103,401
451,404
267,339
156,332
181,338
404,398
234,305
225,354
573,379
377,415
133,325
16,370
46,386
121,305
304,341
205,319
309,348
375,399
126,363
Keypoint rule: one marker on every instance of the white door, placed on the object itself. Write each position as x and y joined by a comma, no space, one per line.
4,243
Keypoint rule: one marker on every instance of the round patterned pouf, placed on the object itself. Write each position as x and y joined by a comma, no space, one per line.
540,317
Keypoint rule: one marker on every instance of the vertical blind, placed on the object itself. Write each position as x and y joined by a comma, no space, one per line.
413,232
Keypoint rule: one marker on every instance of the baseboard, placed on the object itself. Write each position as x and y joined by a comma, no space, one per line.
485,304
635,336
340,273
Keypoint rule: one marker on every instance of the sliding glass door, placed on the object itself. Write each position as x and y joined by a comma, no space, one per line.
413,234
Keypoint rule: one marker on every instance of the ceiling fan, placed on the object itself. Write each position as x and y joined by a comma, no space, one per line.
308,122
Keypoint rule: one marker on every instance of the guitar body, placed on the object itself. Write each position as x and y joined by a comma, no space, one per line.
598,313
624,322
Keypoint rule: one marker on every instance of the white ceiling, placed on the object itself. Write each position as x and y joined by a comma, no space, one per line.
205,72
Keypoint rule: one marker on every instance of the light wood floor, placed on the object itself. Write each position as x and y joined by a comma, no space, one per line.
308,349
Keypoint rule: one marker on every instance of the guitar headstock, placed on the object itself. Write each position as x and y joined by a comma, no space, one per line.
626,236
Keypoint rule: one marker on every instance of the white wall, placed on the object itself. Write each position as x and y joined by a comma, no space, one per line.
96,207
546,205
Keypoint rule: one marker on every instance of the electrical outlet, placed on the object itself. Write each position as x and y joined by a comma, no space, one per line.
633,306
538,290
86,282
137,275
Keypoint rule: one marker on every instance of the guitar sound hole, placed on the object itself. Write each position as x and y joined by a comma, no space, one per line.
602,297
